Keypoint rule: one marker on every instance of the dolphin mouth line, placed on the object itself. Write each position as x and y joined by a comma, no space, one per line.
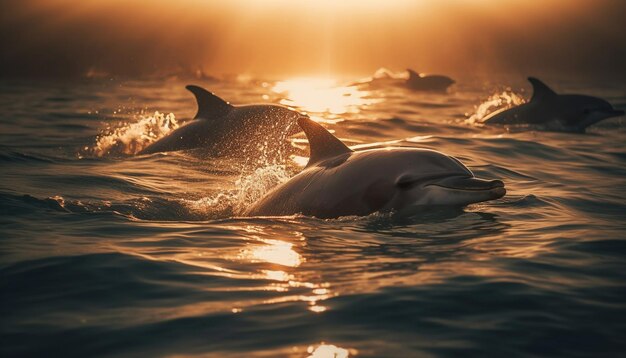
469,184
610,113
468,189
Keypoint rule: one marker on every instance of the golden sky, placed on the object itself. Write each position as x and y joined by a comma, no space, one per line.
313,37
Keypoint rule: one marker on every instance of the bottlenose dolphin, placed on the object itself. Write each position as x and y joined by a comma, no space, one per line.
432,83
339,182
225,129
551,111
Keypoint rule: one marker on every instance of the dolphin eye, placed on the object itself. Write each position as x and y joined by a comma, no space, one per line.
405,185
406,182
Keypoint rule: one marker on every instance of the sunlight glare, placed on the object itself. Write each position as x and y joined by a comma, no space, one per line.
322,95
329,351
317,309
277,275
275,252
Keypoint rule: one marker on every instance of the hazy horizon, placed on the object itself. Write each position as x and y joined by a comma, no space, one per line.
69,38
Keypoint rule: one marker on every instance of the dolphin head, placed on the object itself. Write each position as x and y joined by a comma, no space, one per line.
588,110
432,178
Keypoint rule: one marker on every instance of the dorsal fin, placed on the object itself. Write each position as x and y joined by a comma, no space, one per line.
540,90
322,144
412,74
209,105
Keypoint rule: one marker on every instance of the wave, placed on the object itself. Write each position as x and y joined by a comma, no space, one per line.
13,157
151,204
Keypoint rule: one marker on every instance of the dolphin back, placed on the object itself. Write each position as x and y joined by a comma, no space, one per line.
436,83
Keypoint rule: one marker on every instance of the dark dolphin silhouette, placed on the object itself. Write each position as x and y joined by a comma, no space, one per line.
415,81
222,128
548,110
340,182
428,83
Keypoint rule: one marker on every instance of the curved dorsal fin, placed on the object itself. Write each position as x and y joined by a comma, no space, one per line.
540,90
209,105
322,144
412,74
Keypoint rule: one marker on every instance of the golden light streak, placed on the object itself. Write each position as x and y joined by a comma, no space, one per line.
329,351
275,252
322,95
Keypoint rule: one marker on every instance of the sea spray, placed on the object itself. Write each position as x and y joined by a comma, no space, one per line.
497,101
131,137
249,188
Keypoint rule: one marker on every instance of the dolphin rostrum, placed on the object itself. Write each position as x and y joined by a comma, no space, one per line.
340,182
548,110
222,128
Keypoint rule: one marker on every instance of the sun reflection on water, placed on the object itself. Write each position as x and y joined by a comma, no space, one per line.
275,252
274,265
277,275
329,351
323,95
278,252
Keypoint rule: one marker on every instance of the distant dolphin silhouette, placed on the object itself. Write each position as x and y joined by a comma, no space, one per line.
552,111
432,83
223,128
339,182
415,81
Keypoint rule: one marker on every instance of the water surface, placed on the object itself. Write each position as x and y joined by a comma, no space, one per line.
109,254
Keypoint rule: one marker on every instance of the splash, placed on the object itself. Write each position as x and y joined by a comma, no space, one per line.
254,186
385,73
504,100
249,188
130,138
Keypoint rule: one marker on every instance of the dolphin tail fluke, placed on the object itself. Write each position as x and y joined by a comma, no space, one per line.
322,144
540,90
209,105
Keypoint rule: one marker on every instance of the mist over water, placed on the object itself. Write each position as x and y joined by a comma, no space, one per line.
114,38
105,253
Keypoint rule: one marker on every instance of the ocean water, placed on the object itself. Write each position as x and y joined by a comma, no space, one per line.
104,253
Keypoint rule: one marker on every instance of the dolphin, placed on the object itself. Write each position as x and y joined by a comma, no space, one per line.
551,111
338,181
415,81
225,129
430,83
